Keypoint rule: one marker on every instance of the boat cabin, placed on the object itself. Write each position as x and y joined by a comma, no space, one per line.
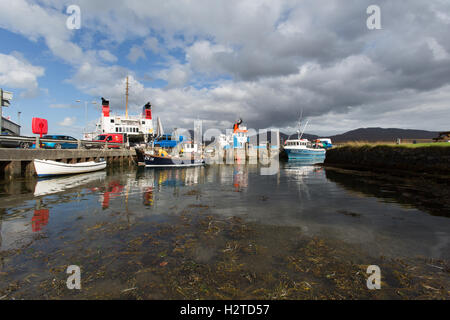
297,143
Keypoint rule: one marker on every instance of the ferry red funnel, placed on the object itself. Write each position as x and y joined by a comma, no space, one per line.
147,111
105,107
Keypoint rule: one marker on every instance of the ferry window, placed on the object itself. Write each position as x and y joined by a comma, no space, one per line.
143,122
112,120
117,129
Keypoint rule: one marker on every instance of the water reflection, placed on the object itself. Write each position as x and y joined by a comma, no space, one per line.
318,201
62,184
411,193
206,228
40,217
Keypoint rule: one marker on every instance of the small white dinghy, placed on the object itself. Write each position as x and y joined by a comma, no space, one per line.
45,168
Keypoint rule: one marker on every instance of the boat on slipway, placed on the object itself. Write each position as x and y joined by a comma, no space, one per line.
46,168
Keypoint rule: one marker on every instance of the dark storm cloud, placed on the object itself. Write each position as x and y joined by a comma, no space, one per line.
266,60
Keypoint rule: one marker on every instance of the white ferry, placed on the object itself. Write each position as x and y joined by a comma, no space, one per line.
137,128
140,125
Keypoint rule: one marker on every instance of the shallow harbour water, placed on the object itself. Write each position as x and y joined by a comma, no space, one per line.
220,232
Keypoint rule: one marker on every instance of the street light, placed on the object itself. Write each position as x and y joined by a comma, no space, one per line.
86,112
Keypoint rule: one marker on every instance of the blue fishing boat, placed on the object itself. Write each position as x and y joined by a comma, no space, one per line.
303,149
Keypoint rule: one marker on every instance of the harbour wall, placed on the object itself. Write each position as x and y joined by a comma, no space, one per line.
432,160
16,163
248,155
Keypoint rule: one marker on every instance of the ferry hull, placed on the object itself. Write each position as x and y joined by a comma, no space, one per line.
155,161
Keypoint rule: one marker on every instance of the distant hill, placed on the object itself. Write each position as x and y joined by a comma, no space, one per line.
363,134
383,134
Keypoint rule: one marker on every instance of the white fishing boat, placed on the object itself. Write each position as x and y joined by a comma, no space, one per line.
53,168
303,149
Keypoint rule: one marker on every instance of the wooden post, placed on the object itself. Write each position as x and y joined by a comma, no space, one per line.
13,169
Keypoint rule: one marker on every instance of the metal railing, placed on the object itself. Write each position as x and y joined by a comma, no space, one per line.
28,142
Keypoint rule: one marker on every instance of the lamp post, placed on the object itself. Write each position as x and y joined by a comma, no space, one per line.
86,112
18,120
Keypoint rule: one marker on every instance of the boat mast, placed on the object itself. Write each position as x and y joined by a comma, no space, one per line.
126,100
300,124
303,130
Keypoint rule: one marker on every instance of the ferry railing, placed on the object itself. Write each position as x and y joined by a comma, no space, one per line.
27,142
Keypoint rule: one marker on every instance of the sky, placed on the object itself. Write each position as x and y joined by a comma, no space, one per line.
217,61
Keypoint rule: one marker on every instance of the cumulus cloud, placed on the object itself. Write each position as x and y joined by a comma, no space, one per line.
61,106
67,122
16,72
107,56
135,54
262,60
176,76
152,44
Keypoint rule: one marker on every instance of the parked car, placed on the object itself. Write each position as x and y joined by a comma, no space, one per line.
68,143
106,138
12,143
